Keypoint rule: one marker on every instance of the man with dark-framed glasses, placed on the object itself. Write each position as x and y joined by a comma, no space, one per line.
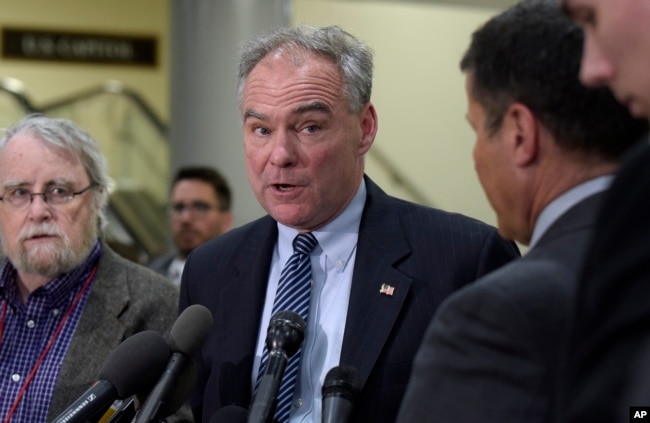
66,299
199,210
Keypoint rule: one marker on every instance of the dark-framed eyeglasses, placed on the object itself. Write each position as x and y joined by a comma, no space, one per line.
196,208
55,195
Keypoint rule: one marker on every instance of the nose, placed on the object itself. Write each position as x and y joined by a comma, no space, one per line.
283,149
38,208
595,69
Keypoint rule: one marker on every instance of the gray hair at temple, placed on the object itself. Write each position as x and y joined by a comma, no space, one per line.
353,58
63,134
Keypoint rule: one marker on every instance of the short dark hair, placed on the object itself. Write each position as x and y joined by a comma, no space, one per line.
212,177
531,54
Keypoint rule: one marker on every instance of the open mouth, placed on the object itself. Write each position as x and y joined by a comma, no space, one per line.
283,187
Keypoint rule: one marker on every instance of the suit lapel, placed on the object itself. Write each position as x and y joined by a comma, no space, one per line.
241,302
98,322
372,314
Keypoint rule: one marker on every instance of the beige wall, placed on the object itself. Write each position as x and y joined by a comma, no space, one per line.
418,92
50,81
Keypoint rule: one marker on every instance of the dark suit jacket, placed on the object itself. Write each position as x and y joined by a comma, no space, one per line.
424,253
493,351
125,298
612,319
161,263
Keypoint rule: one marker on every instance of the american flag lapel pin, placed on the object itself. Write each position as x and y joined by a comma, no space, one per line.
386,289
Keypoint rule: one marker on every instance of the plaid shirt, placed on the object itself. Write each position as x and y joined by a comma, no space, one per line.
28,329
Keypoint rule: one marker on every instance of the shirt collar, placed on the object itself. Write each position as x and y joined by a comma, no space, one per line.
334,236
565,201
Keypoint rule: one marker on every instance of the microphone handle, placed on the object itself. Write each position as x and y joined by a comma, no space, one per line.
266,399
160,392
336,409
96,400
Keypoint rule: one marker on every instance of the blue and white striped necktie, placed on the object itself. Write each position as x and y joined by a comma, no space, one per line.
292,294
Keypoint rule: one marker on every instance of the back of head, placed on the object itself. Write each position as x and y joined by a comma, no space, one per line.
63,134
353,58
530,54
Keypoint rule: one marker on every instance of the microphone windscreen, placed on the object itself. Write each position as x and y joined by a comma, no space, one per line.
190,330
230,414
288,318
286,332
343,381
135,365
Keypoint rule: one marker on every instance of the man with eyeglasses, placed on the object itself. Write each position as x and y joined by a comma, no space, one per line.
66,299
199,211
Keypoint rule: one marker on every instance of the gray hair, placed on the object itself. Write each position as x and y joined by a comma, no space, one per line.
353,58
63,134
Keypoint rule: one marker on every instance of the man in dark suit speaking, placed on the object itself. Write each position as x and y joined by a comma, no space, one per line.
546,148
380,265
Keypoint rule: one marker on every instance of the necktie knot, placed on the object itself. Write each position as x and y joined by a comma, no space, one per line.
304,243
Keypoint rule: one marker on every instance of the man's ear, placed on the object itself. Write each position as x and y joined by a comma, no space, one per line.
522,129
368,128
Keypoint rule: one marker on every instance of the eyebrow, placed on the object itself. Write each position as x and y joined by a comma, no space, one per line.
18,183
250,113
313,106
305,108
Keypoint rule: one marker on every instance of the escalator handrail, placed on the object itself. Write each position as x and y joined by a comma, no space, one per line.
113,87
15,88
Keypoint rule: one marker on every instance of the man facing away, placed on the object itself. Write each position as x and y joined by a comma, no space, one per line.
609,347
546,149
66,299
378,266
199,210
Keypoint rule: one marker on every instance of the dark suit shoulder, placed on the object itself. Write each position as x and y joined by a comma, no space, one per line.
520,292
227,244
161,263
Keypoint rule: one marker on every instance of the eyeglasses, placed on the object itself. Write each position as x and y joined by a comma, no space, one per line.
196,208
56,195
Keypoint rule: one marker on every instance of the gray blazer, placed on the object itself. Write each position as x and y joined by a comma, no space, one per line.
493,352
125,298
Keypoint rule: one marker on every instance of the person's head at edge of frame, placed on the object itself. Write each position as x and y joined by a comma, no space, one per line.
616,49
200,207
54,188
304,96
522,87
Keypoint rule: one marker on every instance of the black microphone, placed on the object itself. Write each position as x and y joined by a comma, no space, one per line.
230,414
340,391
133,366
283,338
187,335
